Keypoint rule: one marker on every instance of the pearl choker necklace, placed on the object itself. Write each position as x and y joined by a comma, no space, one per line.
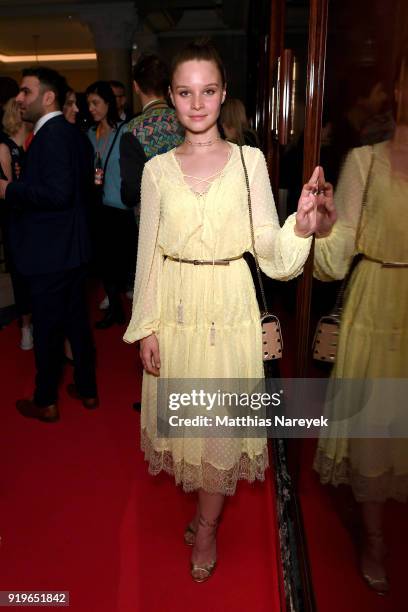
208,143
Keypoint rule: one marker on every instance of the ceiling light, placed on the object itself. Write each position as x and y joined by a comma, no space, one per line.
44,57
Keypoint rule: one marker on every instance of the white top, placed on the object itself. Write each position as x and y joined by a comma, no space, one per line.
43,120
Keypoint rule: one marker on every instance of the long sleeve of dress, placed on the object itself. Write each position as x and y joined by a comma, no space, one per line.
146,299
333,254
281,253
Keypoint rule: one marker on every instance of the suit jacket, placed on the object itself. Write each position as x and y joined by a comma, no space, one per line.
132,161
49,204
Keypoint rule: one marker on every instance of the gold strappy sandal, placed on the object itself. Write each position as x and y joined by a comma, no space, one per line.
376,550
379,585
201,572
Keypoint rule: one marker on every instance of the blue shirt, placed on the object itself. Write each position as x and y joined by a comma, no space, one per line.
111,183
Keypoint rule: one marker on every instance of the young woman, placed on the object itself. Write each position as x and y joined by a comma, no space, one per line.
115,225
11,158
202,321
70,108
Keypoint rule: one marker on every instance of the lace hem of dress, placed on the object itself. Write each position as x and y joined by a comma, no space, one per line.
205,476
387,485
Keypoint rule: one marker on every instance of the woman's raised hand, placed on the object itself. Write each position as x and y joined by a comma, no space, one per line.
150,354
316,213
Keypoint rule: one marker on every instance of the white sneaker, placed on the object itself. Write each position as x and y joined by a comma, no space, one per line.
104,305
26,343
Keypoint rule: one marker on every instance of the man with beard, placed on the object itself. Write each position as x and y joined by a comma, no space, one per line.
50,244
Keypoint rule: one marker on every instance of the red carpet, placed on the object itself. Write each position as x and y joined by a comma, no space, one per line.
80,513
337,583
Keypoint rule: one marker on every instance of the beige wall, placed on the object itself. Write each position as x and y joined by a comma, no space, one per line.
80,79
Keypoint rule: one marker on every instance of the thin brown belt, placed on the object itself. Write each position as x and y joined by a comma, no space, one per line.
204,262
387,264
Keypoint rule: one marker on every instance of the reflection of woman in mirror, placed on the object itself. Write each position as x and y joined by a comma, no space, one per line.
373,341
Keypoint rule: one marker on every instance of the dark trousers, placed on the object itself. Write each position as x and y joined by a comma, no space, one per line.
117,243
21,292
60,311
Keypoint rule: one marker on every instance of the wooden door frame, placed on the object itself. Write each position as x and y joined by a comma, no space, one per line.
313,120
318,17
318,13
318,23
313,124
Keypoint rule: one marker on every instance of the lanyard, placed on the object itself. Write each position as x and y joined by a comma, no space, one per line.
100,151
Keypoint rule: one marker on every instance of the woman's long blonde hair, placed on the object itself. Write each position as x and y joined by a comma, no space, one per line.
12,121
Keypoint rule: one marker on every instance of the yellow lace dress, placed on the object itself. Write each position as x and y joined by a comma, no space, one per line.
220,333
373,342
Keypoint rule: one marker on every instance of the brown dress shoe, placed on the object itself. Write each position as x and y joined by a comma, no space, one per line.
87,402
29,409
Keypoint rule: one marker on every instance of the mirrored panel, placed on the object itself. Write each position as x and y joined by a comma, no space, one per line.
357,485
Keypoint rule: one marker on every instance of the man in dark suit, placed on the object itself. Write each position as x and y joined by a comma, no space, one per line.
50,243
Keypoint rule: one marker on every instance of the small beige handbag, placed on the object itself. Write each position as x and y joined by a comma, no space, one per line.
272,342
326,338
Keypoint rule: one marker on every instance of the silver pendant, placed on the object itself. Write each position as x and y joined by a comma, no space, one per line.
212,334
